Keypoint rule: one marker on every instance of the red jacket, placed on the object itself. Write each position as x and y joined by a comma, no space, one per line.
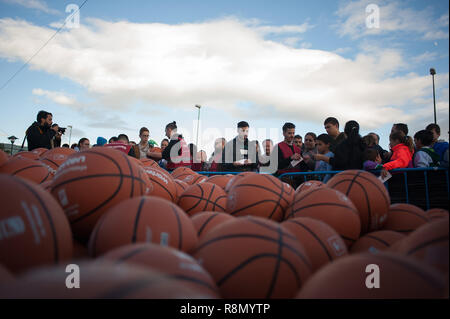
401,157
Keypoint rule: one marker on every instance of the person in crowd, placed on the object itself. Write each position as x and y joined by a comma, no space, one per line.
332,127
215,161
264,157
402,152
240,154
41,133
113,139
66,146
310,150
439,146
164,144
101,141
177,153
425,155
369,141
383,153
74,146
123,144
83,144
298,141
372,159
324,142
162,162
143,146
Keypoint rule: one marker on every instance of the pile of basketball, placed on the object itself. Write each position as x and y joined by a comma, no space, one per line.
137,231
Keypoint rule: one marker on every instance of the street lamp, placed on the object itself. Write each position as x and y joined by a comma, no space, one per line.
70,134
433,73
198,123
13,139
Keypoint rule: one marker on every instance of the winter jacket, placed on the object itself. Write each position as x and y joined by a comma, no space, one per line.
401,157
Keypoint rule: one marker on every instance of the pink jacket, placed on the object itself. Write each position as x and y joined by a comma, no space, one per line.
401,158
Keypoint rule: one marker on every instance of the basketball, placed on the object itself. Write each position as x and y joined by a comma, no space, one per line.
254,258
376,241
350,278
143,219
47,185
91,182
28,155
428,244
172,262
368,194
204,197
55,157
99,280
330,206
259,195
148,162
163,183
156,150
29,169
39,151
192,179
236,178
437,213
405,218
136,161
33,228
206,221
80,251
182,172
181,187
321,242
309,185
220,180
3,158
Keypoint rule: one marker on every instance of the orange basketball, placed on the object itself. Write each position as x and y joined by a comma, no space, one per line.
309,185
254,258
47,185
143,219
321,242
33,228
206,221
80,251
348,278
99,280
91,182
3,157
437,213
236,178
367,193
376,241
199,179
149,162
169,261
188,178
259,195
156,150
181,187
55,157
429,244
204,197
29,169
220,180
39,151
28,155
182,172
163,183
405,218
136,161
330,206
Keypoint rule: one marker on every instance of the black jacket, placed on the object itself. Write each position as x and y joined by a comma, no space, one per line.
39,136
348,155
236,150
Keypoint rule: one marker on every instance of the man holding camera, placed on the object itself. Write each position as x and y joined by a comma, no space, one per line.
42,133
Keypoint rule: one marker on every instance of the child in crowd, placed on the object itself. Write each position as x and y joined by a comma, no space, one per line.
372,159
402,148
324,142
425,156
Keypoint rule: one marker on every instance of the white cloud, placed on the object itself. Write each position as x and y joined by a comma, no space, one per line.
266,30
221,64
34,4
393,17
56,97
425,57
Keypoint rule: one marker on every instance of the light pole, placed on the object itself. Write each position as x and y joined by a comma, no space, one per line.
198,124
433,73
70,134
13,139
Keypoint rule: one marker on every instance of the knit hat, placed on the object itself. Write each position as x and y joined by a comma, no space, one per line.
101,141
152,143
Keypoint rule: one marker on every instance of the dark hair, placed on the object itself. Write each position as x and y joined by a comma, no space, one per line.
325,138
82,141
288,126
165,140
41,115
73,145
352,132
298,136
113,139
192,150
313,135
142,130
434,127
402,138
402,128
66,145
370,154
172,125
267,140
243,124
369,140
123,137
378,136
331,120
425,137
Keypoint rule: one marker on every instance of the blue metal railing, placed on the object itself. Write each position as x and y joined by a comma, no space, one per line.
403,171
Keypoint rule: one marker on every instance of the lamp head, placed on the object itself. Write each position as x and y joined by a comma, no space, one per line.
432,71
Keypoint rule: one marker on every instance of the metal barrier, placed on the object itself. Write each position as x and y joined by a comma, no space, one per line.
423,187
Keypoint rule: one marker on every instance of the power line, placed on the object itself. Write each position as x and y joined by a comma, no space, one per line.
42,47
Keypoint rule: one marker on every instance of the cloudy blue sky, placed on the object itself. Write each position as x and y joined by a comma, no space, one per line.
146,63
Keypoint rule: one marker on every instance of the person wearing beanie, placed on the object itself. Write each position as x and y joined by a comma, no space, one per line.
101,141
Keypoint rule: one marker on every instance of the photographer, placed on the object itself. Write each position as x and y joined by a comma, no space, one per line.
41,132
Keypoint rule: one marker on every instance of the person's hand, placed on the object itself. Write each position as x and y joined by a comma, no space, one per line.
318,157
296,157
248,162
384,173
307,158
237,164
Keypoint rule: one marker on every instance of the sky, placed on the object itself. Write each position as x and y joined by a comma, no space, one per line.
120,65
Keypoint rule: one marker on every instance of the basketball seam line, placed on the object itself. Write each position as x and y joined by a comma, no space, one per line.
132,175
429,242
258,186
323,204
210,218
257,222
252,205
277,263
136,221
408,211
209,199
154,181
200,198
377,239
180,229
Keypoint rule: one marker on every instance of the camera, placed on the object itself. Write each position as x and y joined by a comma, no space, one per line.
62,130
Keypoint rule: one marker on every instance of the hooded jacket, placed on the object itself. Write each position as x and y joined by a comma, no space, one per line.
401,157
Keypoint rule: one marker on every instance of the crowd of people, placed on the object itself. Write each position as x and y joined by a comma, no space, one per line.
333,151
